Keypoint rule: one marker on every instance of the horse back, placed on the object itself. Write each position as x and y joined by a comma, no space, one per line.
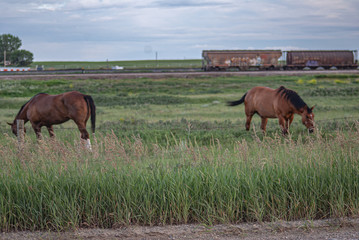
262,100
261,96
72,98
55,109
75,104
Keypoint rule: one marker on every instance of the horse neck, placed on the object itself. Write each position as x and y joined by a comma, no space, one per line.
22,115
302,111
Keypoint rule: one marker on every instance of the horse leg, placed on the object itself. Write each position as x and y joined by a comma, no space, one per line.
84,134
37,129
51,131
264,124
282,123
290,120
248,122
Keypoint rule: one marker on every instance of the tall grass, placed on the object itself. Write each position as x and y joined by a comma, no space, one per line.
60,185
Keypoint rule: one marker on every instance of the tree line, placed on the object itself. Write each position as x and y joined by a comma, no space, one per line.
11,54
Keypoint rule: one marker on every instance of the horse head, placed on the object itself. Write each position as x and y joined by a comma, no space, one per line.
14,128
308,118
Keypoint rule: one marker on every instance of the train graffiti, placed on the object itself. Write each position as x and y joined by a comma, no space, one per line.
276,59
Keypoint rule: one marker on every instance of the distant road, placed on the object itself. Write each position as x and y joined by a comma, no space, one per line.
120,75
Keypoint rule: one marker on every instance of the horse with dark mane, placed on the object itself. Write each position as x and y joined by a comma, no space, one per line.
281,103
47,110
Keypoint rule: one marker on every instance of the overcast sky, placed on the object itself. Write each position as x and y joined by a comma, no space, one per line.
97,30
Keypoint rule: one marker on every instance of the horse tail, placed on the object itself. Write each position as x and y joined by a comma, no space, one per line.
235,103
91,106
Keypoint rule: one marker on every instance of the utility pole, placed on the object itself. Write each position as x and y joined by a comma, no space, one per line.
156,59
4,58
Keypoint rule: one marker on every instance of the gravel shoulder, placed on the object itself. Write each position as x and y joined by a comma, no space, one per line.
343,228
48,76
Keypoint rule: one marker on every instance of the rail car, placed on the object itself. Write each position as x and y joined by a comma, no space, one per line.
240,59
213,60
324,59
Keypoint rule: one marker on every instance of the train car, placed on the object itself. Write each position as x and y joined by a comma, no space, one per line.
340,59
240,59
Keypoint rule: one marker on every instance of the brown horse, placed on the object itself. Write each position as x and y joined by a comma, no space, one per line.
279,103
47,110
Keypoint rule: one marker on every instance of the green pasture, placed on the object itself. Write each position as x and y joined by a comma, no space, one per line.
139,64
169,151
157,108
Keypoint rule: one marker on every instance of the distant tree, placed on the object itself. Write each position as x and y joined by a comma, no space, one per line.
8,43
11,45
21,58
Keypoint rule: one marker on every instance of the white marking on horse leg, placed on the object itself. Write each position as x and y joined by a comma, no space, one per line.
88,145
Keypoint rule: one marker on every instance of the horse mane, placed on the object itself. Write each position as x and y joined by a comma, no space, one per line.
22,107
293,97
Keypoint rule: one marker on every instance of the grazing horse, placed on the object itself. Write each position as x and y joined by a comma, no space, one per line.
281,103
47,110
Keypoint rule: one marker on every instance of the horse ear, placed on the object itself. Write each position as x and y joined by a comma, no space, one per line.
9,123
312,108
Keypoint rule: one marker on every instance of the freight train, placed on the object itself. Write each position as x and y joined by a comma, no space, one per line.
213,60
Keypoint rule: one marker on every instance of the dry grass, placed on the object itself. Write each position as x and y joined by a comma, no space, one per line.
59,185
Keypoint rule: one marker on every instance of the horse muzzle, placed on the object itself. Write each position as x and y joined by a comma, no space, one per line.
311,130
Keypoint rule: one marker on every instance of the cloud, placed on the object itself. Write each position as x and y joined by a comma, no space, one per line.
50,7
79,29
73,5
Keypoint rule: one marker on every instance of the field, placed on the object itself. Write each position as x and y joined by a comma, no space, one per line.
169,151
189,63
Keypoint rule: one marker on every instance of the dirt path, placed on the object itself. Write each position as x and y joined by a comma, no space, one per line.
44,76
332,229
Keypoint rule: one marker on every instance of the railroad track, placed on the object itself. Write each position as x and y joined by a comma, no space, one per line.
164,74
